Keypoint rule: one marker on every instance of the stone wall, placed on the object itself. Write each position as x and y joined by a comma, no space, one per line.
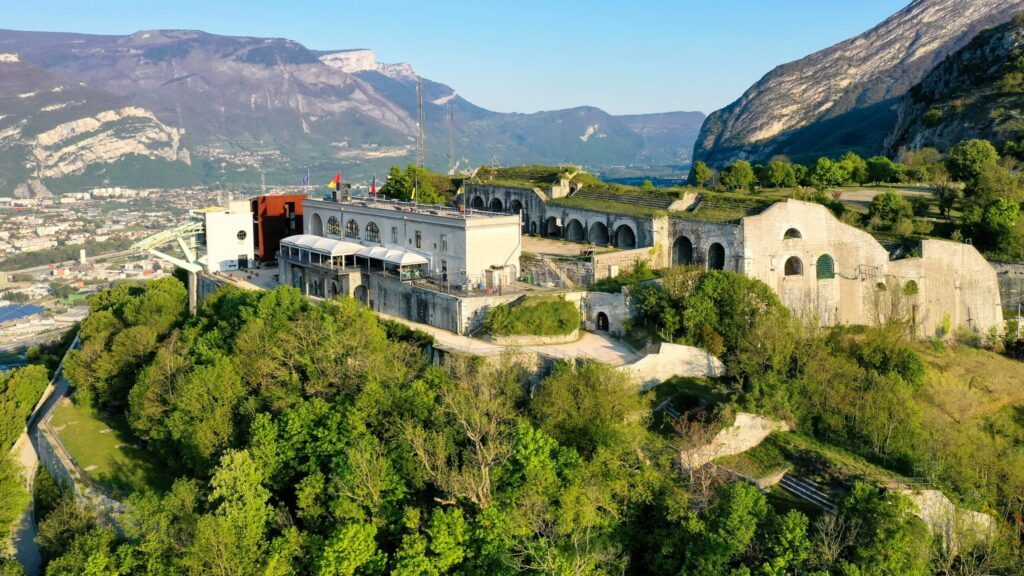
791,245
1011,284
616,310
528,340
673,360
611,264
690,241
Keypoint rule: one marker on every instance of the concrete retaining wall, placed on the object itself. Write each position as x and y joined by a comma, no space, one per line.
528,340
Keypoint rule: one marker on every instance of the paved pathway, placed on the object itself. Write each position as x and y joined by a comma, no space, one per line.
591,345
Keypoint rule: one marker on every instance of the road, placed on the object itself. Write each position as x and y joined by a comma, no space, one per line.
96,258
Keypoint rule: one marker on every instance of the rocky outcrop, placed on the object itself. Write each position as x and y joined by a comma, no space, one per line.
71,147
848,88
971,94
672,360
748,431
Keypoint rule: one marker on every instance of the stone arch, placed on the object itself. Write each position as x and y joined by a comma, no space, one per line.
362,295
477,203
598,234
825,268
602,321
682,251
334,226
533,228
297,278
316,225
333,290
911,288
551,227
574,231
625,237
794,266
515,207
792,234
716,257
496,205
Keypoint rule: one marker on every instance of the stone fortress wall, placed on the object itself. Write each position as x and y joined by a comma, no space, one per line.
819,266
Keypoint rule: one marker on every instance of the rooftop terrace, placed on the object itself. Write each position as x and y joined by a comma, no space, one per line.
413,207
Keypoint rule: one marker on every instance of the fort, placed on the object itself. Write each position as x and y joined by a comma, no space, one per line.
517,231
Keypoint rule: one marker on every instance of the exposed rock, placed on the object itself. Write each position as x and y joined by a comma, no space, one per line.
956,525
965,96
845,90
748,431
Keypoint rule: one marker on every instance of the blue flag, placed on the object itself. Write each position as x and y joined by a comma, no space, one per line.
305,179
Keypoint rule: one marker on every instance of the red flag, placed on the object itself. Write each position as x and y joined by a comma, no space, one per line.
336,183
373,185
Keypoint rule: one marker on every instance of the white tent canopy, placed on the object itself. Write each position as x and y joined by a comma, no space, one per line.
321,245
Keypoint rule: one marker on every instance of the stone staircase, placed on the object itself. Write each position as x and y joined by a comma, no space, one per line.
807,491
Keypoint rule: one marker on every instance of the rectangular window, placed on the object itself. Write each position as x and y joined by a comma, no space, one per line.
419,239
394,234
444,243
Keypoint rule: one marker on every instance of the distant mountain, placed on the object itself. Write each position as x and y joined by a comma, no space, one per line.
221,109
977,92
843,97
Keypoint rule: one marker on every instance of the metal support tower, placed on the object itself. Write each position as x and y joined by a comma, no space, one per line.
420,154
191,262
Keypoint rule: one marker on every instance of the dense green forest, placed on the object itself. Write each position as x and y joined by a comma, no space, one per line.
311,439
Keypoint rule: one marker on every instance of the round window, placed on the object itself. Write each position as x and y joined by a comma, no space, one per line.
242,234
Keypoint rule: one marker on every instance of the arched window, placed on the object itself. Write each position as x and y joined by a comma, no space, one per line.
791,234
794,267
826,267
352,229
333,226
372,233
716,257
316,227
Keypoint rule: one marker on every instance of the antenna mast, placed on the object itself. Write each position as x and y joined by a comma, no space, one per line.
451,139
419,121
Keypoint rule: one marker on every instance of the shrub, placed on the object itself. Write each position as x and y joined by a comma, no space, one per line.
536,316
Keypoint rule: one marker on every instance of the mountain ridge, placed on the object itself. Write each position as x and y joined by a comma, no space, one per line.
243,106
780,113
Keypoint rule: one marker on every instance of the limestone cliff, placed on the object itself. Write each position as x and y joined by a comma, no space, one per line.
977,92
841,97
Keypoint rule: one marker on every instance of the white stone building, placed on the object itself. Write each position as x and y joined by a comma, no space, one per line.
227,236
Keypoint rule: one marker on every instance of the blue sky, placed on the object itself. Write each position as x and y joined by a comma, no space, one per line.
626,56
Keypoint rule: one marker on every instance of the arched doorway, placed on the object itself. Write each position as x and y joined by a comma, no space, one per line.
598,234
496,205
297,278
477,203
316,225
551,227
682,251
716,257
574,231
515,207
362,295
333,293
602,321
625,237
533,228
794,266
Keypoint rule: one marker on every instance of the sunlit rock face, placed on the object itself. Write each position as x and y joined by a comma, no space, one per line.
849,84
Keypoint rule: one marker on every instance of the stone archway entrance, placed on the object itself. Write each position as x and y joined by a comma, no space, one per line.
625,237
362,295
477,203
496,205
598,234
602,321
682,251
551,228
716,257
574,231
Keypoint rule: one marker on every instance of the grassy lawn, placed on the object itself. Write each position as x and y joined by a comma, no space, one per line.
106,450
965,384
